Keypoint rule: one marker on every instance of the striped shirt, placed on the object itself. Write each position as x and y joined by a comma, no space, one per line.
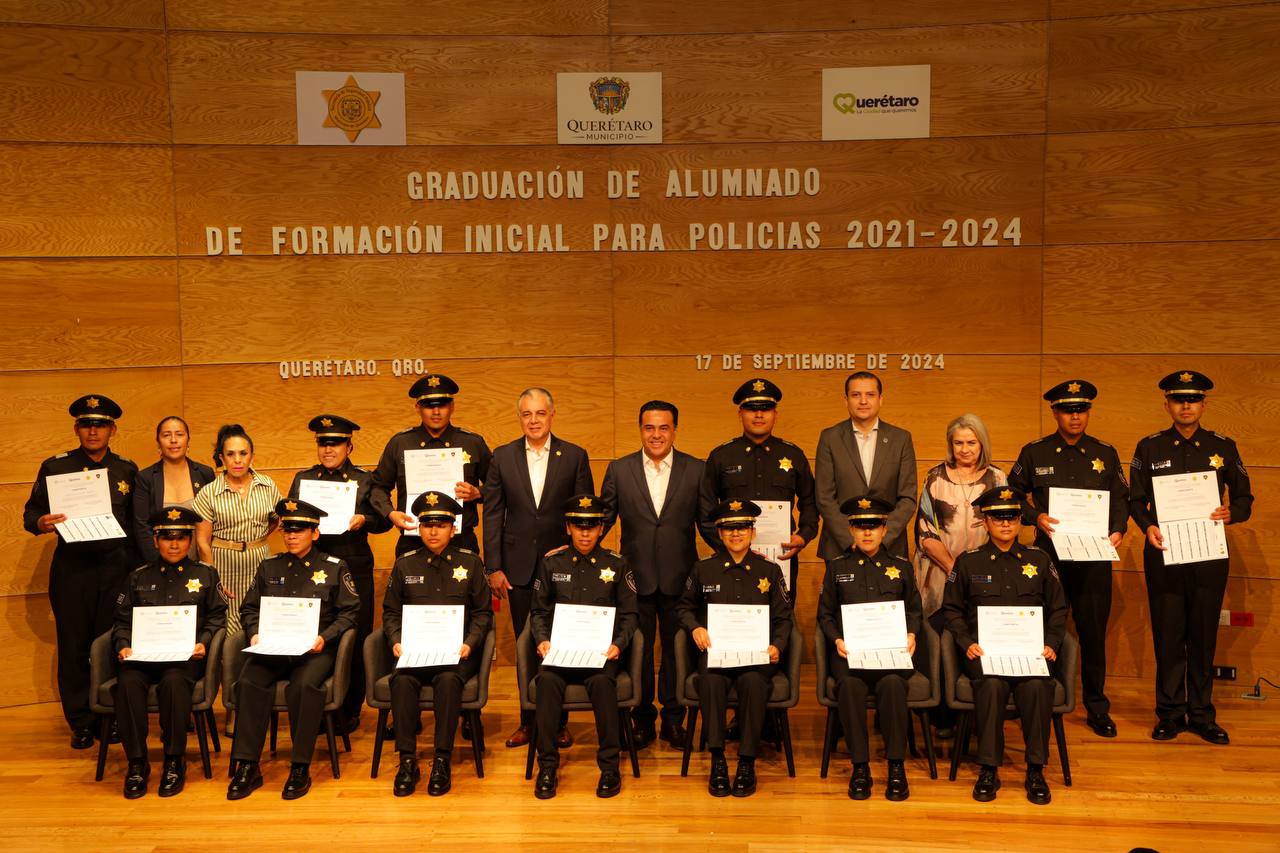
236,519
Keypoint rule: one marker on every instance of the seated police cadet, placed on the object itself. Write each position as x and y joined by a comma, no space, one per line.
439,573
581,573
1005,573
867,573
301,571
170,579
735,575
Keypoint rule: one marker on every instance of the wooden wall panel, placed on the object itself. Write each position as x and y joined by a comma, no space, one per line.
1098,299
82,200
239,89
27,666
1172,70
141,14
67,85
394,17
873,301
1091,8
651,17
442,306
1148,186
93,314
750,88
24,559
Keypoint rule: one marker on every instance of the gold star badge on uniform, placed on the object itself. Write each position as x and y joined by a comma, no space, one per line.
291,506
784,463
123,487
459,574
1215,460
1073,388
193,585
584,502
1007,494
864,504
92,402
319,577
892,573
1029,570
433,381
734,506
325,422
174,514
351,108
1184,377
466,458
432,500
1098,466
763,586
757,386
606,575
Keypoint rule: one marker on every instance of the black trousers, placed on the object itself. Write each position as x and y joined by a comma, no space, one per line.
362,576
520,602
1185,603
1088,588
752,685
82,589
1033,697
852,688
256,692
446,699
174,682
602,688
658,619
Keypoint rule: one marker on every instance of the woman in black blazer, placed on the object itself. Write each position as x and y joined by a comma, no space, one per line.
175,479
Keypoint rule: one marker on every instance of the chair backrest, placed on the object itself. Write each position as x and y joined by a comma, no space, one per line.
929,652
342,669
213,668
232,663
1068,670
635,664
525,666
102,668
790,664
950,667
378,662
486,666
682,665
821,672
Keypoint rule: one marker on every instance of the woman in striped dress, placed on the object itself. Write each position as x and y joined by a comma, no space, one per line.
238,512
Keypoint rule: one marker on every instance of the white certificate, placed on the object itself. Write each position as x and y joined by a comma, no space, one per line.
430,635
84,497
1012,640
773,528
1083,518
337,499
580,636
287,626
433,469
875,635
163,633
739,635
1183,505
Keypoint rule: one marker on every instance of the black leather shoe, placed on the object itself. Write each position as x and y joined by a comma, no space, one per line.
643,734
564,739
1168,729
984,790
744,781
1102,725
674,734
1211,732
1037,788
173,777
718,783
519,737
135,780
896,789
407,776
82,738
441,776
245,781
545,787
860,782
298,783
610,784
466,728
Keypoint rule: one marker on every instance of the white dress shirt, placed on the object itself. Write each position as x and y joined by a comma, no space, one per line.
537,460
657,475
867,446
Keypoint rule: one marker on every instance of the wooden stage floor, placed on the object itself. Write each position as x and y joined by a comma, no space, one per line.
1129,792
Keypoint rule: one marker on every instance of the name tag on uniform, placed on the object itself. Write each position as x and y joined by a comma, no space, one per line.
275,581
736,469
844,578
980,578
413,579
710,587
1156,466
1042,472
561,577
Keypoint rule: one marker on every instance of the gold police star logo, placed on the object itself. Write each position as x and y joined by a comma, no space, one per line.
1098,466
175,514
432,500
1029,570
763,586
1073,388
123,487
193,585
92,402
326,422
734,506
606,575
319,577
1006,494
1184,377
460,574
466,458
291,506
892,573
1215,460
864,504
584,502
433,381
757,386
351,108
784,463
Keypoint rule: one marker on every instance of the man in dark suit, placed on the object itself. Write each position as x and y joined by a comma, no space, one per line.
864,455
655,493
529,480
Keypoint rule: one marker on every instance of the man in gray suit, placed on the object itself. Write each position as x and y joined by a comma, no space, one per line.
655,493
864,455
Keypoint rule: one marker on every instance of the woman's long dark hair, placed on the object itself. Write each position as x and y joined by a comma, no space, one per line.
225,432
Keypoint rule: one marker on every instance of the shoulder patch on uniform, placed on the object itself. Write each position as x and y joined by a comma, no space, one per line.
614,553
333,559
1040,440
630,578
120,599
1100,441
139,568
406,429
61,455
467,551
1153,435
974,550
349,583
725,444
784,441
1034,548
409,553
951,578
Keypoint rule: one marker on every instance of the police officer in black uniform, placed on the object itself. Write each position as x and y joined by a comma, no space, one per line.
302,571
1005,573
333,448
1071,458
438,573
735,575
433,395
581,573
167,581
1186,598
864,574
84,577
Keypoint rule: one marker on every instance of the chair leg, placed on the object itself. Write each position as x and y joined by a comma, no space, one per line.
477,732
957,745
204,744
624,726
826,743
275,728
688,739
378,738
104,734
213,730
911,737
528,760
331,736
346,738
927,730
784,727
1061,736
477,742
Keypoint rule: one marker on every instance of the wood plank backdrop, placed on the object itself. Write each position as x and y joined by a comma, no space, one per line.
1135,140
